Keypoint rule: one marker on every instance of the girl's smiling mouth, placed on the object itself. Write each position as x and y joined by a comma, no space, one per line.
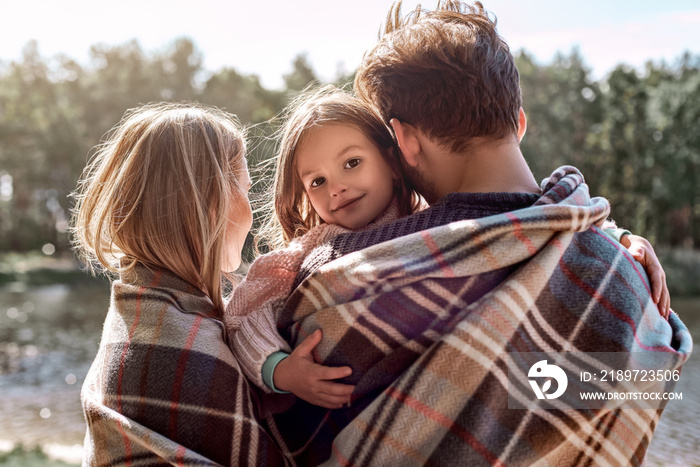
347,204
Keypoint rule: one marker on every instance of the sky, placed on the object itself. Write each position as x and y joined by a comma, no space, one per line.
263,37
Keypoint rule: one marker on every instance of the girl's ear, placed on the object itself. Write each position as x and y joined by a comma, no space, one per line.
408,141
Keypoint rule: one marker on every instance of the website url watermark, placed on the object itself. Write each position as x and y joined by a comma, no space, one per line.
631,396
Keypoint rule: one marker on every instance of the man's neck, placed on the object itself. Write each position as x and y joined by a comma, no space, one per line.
489,167
496,168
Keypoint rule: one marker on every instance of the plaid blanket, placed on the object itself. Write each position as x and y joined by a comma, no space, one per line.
426,322
164,387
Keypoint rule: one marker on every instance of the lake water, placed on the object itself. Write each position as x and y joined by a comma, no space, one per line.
49,336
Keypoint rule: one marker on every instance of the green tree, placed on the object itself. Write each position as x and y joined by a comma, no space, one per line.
242,95
301,75
37,142
177,70
563,108
628,158
673,111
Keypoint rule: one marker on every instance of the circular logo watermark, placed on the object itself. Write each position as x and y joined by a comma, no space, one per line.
542,370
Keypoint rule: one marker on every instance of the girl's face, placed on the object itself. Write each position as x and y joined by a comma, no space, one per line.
344,174
239,223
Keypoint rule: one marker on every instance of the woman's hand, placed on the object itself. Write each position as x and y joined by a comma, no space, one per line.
642,251
308,380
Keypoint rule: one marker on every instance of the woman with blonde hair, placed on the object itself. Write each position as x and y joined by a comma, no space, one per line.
163,206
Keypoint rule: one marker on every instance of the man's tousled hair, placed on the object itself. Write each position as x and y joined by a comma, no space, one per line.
447,72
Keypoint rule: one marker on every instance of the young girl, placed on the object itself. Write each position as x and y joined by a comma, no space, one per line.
338,170
164,204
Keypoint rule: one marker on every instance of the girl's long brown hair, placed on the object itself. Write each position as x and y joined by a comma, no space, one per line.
158,192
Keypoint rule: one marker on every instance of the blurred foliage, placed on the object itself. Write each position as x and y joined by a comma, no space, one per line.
682,268
53,111
632,134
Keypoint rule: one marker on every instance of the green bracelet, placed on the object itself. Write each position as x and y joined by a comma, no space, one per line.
268,370
617,234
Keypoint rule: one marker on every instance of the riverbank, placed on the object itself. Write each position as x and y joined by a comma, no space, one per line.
47,456
37,269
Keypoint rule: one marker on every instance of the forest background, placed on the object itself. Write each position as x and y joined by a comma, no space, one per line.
634,134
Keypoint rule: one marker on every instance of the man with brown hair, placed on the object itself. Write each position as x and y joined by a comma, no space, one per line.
447,83
427,309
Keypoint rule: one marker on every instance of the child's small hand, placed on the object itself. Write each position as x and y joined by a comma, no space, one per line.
642,251
300,375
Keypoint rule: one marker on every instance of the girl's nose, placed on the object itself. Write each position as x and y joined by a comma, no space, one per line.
337,189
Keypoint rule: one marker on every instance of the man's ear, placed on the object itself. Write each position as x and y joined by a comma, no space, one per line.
522,124
408,141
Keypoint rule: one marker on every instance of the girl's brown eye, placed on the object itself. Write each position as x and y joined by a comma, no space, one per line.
352,163
317,182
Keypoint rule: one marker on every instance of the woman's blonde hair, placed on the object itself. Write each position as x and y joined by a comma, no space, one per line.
290,213
159,191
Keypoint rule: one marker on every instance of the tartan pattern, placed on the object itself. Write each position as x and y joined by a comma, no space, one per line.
164,388
427,340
